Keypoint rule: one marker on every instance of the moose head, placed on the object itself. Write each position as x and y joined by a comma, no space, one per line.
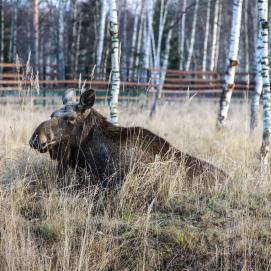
66,126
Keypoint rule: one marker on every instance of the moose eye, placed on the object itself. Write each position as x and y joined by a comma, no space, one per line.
71,119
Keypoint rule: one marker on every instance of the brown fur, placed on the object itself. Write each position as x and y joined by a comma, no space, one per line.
84,139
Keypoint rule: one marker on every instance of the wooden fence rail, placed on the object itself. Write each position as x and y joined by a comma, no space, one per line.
177,83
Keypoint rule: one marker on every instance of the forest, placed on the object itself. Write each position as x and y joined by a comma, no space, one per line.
135,135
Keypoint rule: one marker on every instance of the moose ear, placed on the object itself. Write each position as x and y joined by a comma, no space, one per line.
69,97
87,98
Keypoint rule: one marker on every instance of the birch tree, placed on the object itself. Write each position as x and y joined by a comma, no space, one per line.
206,37
214,38
182,35
78,42
263,24
100,46
2,27
115,75
35,52
232,63
61,60
192,39
74,36
147,35
13,32
255,100
218,38
163,73
162,21
134,39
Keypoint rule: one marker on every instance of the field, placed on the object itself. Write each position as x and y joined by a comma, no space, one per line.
155,221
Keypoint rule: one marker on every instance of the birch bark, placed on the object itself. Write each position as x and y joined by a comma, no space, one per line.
162,21
61,60
255,100
206,37
263,23
78,41
192,39
232,63
74,35
214,40
218,38
163,73
182,36
147,36
134,37
2,28
100,46
115,76
13,32
36,34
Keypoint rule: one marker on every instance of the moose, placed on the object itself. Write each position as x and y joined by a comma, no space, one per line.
79,137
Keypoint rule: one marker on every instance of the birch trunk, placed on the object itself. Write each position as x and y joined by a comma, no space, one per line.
218,38
123,48
162,21
206,37
100,46
115,76
61,60
35,52
163,73
255,100
147,38
13,33
246,45
78,41
192,39
139,44
263,23
2,28
74,37
134,37
182,36
232,63
214,40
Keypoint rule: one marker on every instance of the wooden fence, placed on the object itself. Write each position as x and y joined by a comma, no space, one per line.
177,84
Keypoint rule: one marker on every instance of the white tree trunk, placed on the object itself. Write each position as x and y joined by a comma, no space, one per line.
115,76
101,33
255,100
182,36
218,38
2,28
61,60
78,41
163,73
214,40
246,64
162,21
192,39
74,36
134,37
232,62
36,33
147,36
206,37
139,44
263,22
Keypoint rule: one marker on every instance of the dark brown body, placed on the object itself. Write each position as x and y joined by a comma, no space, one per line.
107,152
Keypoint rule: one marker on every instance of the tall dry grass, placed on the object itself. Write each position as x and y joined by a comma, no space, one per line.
155,220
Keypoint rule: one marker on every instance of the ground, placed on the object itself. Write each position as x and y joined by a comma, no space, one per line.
156,220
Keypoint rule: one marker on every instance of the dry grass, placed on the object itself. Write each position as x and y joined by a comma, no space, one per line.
155,221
